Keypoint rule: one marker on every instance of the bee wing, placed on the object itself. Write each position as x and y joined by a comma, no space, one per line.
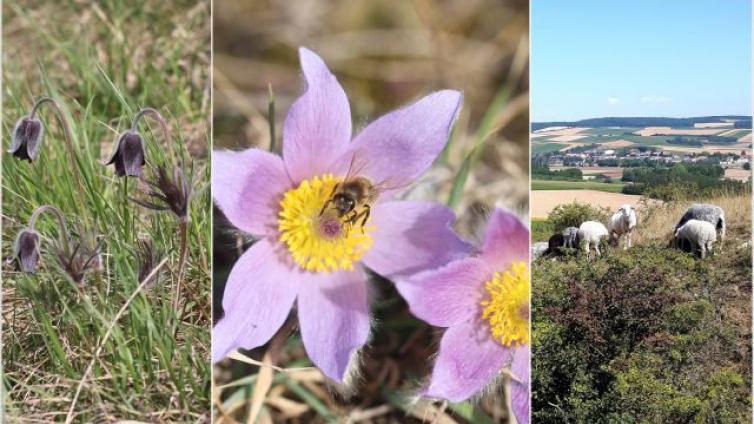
389,184
357,165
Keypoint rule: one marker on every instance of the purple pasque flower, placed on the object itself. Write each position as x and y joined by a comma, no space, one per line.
484,303
128,155
309,250
26,138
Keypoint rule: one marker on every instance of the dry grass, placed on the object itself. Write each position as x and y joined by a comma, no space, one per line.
656,222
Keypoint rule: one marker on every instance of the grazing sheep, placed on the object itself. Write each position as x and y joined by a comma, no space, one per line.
538,249
570,237
622,223
705,212
554,243
591,234
700,235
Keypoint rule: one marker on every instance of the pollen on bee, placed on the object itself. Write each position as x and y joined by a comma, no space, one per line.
317,238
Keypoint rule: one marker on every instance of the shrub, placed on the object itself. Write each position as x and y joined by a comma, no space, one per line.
644,335
573,214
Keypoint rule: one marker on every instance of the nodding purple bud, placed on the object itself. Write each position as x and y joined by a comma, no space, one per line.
128,156
26,138
26,250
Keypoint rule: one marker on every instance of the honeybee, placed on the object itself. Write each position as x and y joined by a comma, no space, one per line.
352,198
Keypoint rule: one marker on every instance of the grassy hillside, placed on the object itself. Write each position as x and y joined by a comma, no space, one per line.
111,348
649,334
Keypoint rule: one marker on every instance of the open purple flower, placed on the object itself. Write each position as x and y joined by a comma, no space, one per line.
312,249
484,303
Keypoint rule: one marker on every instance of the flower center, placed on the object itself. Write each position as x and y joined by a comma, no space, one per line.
507,306
318,239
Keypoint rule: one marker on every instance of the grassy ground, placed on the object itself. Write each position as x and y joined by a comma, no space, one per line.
576,185
148,350
385,54
649,334
541,230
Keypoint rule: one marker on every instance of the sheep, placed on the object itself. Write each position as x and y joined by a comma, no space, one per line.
554,243
591,234
705,212
622,223
570,237
700,235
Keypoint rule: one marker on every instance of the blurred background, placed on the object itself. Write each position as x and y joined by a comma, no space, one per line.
385,54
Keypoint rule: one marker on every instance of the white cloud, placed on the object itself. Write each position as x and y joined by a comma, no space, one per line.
656,99
613,100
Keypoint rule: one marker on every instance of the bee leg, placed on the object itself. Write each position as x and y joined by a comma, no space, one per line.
329,199
364,215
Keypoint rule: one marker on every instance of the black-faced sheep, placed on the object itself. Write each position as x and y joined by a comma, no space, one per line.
705,212
591,234
698,235
622,223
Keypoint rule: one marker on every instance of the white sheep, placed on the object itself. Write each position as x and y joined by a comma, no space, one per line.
699,234
705,212
591,234
622,223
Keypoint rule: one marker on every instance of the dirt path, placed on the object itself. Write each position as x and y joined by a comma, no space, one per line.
544,201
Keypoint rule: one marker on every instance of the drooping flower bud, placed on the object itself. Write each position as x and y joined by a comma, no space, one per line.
128,155
26,138
26,250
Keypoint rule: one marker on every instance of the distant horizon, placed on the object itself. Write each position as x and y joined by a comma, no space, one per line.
640,59
736,115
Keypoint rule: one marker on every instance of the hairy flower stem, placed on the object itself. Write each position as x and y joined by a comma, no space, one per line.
163,126
62,228
183,235
68,138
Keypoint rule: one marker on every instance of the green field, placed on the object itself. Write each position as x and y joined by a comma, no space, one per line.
611,132
546,147
576,185
738,133
541,230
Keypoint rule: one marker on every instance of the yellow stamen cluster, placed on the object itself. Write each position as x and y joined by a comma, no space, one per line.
319,241
507,306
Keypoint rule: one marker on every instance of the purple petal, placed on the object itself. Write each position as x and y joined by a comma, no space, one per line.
411,237
506,240
258,296
247,187
520,390
398,147
334,319
449,295
317,129
467,362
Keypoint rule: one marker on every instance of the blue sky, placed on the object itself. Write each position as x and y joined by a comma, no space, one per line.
676,58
